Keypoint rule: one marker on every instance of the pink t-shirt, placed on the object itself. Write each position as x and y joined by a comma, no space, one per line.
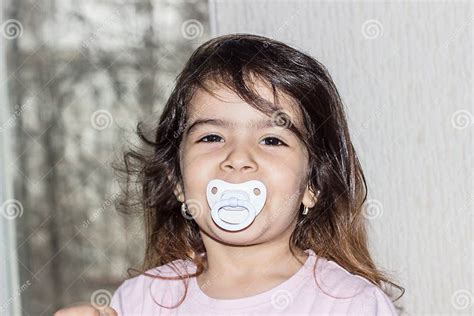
298,295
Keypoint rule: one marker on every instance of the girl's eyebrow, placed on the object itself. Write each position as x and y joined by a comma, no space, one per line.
257,124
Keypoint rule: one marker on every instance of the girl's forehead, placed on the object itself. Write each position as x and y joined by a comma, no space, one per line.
223,101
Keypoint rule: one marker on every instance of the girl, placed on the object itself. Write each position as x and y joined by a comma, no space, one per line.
245,108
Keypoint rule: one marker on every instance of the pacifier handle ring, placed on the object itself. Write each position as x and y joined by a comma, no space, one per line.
242,203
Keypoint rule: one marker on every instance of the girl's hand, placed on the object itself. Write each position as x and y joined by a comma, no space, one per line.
86,310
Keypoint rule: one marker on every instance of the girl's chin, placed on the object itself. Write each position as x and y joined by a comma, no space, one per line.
242,236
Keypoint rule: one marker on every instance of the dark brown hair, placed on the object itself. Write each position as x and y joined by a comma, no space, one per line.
335,228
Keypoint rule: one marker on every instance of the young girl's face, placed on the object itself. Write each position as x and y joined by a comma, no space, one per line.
246,151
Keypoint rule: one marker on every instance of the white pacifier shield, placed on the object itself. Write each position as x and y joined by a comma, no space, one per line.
234,206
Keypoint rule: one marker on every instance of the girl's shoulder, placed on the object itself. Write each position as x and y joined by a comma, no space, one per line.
331,276
337,278
155,281
361,294
163,273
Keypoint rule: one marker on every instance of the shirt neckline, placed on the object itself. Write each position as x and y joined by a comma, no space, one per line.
286,288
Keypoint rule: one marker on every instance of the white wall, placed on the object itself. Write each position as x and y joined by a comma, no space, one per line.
405,78
10,292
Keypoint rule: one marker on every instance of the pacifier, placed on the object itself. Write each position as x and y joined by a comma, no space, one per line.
234,206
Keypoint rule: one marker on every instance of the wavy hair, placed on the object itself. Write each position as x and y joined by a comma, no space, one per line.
335,228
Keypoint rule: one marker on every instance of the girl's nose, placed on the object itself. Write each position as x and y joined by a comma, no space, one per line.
239,160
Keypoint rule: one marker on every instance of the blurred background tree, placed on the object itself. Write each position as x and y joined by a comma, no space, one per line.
82,74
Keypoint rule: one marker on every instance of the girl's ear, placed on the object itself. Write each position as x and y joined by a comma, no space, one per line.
310,198
178,190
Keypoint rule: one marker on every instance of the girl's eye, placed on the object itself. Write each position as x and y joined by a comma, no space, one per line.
212,136
275,141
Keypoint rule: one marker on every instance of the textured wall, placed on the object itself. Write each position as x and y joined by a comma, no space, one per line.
404,72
